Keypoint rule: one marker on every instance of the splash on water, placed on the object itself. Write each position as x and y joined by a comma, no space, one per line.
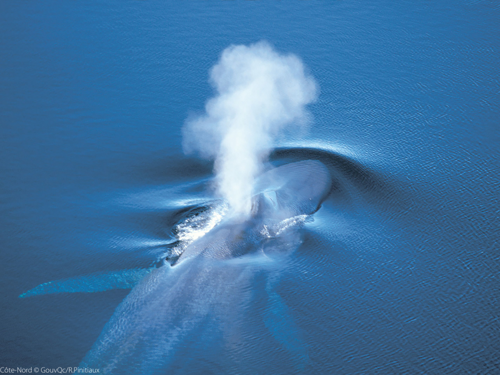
196,226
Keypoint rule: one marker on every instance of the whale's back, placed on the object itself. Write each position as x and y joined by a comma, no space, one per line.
172,305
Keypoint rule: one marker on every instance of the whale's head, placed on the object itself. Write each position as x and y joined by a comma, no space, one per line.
291,190
283,196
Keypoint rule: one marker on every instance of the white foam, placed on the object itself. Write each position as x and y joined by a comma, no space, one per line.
275,230
196,226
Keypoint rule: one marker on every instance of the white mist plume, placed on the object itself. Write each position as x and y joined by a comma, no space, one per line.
259,92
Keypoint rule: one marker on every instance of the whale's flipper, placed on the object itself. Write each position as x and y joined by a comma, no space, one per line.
125,279
280,323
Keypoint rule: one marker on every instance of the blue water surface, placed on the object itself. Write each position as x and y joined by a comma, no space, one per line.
397,273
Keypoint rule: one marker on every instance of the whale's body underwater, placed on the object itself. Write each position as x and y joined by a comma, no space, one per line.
204,291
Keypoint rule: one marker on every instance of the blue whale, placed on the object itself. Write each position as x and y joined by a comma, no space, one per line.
203,292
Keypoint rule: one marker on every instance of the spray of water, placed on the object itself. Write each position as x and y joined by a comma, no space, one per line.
259,92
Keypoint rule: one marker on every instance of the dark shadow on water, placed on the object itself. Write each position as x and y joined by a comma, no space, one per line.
375,187
353,184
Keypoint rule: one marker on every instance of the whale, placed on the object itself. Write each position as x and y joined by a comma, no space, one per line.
195,300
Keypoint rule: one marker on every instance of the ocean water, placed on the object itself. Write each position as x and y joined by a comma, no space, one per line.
396,273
